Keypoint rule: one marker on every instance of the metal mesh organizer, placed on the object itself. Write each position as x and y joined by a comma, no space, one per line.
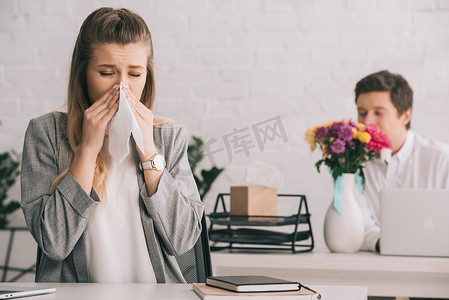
245,232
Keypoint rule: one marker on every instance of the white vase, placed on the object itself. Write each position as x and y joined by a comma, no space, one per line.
344,232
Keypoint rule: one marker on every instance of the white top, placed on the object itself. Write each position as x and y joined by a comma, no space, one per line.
116,246
421,163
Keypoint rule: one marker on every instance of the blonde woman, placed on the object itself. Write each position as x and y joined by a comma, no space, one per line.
150,207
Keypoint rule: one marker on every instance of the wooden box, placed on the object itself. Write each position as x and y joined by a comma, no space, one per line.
253,200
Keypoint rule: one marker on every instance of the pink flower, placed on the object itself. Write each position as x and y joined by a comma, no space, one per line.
338,146
353,124
336,126
379,140
321,132
346,133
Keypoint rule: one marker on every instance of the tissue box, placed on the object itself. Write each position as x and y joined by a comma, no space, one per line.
253,200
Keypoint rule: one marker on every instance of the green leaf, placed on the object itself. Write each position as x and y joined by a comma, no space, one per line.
209,177
9,170
195,154
12,206
318,164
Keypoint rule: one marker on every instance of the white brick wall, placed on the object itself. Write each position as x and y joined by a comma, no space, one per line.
224,65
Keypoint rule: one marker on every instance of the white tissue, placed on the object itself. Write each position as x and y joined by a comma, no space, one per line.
122,125
259,173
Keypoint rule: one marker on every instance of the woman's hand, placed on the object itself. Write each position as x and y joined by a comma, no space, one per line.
96,119
144,117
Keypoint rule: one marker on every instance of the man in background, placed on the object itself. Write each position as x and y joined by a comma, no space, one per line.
418,161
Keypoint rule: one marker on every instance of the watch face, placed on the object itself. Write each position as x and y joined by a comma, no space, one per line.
159,162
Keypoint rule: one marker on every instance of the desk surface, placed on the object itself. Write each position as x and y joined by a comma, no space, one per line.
100,291
383,275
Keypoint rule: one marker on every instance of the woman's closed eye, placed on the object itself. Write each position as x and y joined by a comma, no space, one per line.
112,73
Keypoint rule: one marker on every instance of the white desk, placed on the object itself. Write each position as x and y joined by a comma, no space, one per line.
98,291
383,275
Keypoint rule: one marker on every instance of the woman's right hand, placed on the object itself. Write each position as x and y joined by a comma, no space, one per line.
96,119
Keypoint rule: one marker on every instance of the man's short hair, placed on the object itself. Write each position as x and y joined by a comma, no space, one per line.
401,93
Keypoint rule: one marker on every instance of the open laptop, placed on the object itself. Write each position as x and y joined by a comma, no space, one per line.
414,222
11,292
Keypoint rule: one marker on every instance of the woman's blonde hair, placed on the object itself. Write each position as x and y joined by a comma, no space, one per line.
103,26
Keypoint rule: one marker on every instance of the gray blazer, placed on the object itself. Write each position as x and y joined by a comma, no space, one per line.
171,218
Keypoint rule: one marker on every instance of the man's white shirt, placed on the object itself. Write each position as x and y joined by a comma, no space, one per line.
421,163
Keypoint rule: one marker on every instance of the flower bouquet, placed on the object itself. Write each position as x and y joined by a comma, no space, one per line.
346,146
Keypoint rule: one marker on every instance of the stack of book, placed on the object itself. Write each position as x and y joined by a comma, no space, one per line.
253,288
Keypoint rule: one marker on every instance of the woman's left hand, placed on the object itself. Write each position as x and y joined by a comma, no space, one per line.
144,117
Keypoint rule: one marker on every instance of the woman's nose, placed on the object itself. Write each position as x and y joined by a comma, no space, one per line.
123,79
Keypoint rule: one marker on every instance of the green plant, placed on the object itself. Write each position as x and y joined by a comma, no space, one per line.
195,153
9,170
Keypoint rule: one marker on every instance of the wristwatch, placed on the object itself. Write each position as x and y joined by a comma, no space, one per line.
156,162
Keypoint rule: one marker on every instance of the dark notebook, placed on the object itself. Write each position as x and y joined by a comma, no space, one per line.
252,283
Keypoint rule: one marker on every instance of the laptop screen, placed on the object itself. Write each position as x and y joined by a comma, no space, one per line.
414,222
